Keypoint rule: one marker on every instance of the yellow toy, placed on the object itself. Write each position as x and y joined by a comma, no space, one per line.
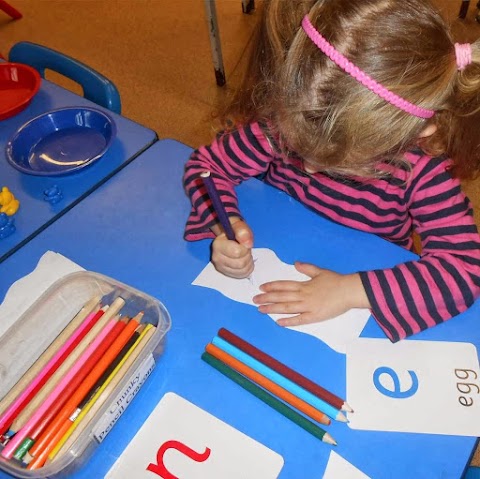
9,205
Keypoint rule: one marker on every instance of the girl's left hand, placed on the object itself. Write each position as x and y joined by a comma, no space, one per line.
326,295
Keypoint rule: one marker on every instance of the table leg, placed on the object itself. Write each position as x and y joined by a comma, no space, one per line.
215,44
248,6
464,9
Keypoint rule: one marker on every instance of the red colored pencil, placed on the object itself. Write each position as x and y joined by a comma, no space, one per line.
285,371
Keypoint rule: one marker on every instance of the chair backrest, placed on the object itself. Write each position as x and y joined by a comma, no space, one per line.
96,87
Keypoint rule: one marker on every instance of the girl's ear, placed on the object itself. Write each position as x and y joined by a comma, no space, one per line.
428,131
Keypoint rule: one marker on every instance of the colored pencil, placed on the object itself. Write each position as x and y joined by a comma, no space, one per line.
269,399
51,434
290,386
85,417
268,385
284,370
37,367
61,392
38,381
110,312
217,204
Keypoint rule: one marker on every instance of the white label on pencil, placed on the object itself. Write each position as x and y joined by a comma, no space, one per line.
124,398
414,386
179,439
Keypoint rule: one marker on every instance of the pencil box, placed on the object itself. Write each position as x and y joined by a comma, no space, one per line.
24,343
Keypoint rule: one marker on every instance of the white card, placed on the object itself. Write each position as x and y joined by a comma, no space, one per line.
180,440
339,468
336,332
414,386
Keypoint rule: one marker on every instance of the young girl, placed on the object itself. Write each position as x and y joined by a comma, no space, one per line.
368,113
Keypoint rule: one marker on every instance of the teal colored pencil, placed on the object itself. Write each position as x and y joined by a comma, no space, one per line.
269,399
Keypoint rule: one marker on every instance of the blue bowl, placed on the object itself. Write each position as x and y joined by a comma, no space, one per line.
61,141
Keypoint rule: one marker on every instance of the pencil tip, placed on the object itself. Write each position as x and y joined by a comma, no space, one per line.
346,407
340,417
329,439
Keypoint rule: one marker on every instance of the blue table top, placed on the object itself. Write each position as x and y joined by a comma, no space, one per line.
131,229
35,213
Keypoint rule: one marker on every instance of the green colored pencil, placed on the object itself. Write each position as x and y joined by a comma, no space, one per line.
269,399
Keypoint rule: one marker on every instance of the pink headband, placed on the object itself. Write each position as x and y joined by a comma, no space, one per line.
463,54
361,76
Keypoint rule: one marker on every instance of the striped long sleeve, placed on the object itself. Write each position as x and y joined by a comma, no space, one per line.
405,299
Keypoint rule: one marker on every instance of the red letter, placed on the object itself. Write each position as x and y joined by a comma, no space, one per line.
160,469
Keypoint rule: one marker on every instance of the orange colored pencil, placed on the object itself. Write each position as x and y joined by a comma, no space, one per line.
46,442
268,385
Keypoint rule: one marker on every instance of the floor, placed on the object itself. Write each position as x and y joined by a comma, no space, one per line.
157,52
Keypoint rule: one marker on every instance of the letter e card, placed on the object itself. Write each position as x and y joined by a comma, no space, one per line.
414,386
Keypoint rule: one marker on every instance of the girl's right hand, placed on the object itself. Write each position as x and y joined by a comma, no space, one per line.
234,258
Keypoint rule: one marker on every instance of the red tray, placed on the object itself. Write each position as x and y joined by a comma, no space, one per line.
19,83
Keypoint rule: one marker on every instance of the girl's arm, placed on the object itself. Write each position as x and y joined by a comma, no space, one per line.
231,158
445,281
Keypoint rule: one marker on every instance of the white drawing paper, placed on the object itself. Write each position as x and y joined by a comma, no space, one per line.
181,440
340,468
336,332
414,386
24,292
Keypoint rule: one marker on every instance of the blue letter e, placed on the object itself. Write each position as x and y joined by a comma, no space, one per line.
397,392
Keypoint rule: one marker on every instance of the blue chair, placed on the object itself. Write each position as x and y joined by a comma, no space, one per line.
96,87
472,473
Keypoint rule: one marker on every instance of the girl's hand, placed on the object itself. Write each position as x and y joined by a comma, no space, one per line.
326,295
234,258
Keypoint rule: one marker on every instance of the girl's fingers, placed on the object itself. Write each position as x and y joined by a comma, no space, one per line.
281,286
276,297
297,320
289,307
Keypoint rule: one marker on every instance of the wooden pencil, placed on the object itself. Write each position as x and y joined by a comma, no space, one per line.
23,440
110,312
48,438
284,370
269,385
48,354
268,399
82,421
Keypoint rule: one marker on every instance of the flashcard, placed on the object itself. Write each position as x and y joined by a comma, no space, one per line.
339,468
414,386
336,332
180,440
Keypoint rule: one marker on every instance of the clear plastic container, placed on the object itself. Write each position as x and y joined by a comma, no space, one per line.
35,330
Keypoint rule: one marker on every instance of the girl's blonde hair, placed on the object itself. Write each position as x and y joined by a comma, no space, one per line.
334,123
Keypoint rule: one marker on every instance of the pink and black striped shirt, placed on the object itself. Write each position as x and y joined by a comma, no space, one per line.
424,198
